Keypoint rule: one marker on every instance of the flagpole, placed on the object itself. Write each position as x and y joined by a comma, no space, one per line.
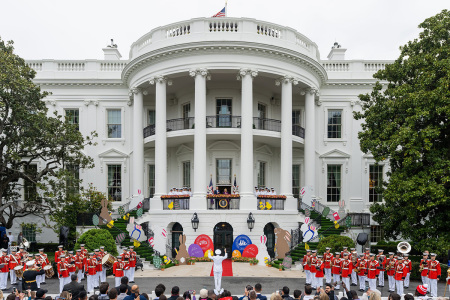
226,8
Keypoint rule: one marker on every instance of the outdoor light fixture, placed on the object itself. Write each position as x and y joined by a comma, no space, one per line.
195,221
250,221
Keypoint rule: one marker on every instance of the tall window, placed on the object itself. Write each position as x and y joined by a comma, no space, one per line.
223,112
333,183
151,117
187,174
114,123
376,233
72,183
151,180
186,112
29,232
223,171
262,174
29,187
296,181
261,116
334,123
375,182
296,117
73,117
115,182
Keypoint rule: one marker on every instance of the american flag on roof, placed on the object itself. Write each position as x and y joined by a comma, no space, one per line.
220,13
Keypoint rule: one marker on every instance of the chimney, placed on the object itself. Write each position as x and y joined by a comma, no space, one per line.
111,52
337,53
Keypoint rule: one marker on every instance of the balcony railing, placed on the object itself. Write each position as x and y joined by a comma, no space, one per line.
223,121
267,124
149,131
299,131
270,204
176,204
180,124
223,203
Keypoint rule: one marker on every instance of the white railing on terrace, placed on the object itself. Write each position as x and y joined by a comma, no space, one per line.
35,66
354,65
105,67
336,67
71,66
203,29
374,67
112,66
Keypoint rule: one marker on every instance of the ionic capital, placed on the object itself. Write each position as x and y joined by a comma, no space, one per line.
286,79
160,79
246,71
134,91
201,72
311,91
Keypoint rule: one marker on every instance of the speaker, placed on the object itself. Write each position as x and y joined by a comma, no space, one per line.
362,238
63,235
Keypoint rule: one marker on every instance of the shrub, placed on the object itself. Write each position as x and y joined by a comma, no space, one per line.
416,275
94,238
336,243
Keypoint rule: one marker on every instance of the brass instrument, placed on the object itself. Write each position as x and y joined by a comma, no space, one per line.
308,261
403,247
421,268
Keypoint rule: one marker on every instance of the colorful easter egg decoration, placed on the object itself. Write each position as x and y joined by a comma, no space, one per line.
157,261
208,252
307,212
240,242
136,244
121,211
204,242
250,251
236,253
151,241
263,239
120,238
139,212
95,220
195,250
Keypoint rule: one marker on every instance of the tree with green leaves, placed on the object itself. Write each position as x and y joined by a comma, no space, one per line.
406,124
36,148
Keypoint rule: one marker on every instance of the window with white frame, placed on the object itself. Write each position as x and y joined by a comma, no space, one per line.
73,117
375,182
261,174
334,183
29,187
29,232
376,233
151,180
114,123
187,174
115,182
72,181
151,117
296,181
334,124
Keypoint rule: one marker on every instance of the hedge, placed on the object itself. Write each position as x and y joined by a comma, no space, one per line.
336,243
94,238
416,275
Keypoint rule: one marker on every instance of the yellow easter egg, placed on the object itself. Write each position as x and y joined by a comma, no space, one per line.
236,253
209,252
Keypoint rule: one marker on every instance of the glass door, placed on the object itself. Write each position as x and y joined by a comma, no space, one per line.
223,112
261,116
223,172
186,111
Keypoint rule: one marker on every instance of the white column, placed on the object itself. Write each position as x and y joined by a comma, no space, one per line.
160,139
138,142
310,133
198,201
246,177
286,136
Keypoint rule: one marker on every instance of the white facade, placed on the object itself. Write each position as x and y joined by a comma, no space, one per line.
243,81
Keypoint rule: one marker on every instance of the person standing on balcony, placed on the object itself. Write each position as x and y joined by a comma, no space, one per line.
216,191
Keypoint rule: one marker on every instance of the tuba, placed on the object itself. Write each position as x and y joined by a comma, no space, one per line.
403,247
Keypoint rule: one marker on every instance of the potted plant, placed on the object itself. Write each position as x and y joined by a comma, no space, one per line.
176,262
255,261
163,267
280,267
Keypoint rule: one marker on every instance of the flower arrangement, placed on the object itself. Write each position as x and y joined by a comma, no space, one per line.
191,260
202,259
221,196
175,196
176,262
280,197
242,259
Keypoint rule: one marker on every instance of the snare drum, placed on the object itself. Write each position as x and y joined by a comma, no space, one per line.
108,261
49,272
19,271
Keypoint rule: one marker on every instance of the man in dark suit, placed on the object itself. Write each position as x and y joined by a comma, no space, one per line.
29,277
74,287
217,191
124,280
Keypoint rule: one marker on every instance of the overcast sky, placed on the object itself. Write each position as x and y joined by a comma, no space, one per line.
69,29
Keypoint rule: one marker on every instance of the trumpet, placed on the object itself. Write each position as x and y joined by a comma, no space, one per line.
421,268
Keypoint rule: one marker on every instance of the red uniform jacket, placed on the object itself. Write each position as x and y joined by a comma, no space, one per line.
362,265
23,254
408,264
382,264
434,269
14,261
319,269
72,266
327,260
346,268
79,261
336,265
391,262
372,269
41,261
367,256
305,264
118,269
313,264
424,264
399,271
91,266
132,259
342,253
57,255
99,266
63,269
4,260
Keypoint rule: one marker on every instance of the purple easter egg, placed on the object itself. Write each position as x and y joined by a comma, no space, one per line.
195,251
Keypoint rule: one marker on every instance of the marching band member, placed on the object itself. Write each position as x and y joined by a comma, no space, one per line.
354,260
373,272
98,268
319,271
382,261
38,265
83,251
63,272
423,268
59,253
346,269
327,256
390,270
344,251
4,260
22,252
102,273
29,276
133,257
90,268
336,268
71,262
126,261
79,263
361,269
306,266
408,265
27,259
399,275
367,254
45,262
313,268
14,261
434,274
118,270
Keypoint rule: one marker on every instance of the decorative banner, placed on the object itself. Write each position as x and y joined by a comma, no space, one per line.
326,211
121,211
302,191
195,251
336,216
151,241
208,252
268,206
250,251
204,242
236,253
306,246
139,212
110,224
164,233
287,262
120,238
308,231
157,262
95,220
263,239
136,244
307,212
240,242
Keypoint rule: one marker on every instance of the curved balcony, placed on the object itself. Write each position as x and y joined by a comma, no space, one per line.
299,131
267,124
223,121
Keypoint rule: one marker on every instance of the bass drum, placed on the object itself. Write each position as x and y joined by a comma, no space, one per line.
49,272
108,261
19,271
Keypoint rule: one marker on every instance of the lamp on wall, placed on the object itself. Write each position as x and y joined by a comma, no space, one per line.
195,222
250,221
